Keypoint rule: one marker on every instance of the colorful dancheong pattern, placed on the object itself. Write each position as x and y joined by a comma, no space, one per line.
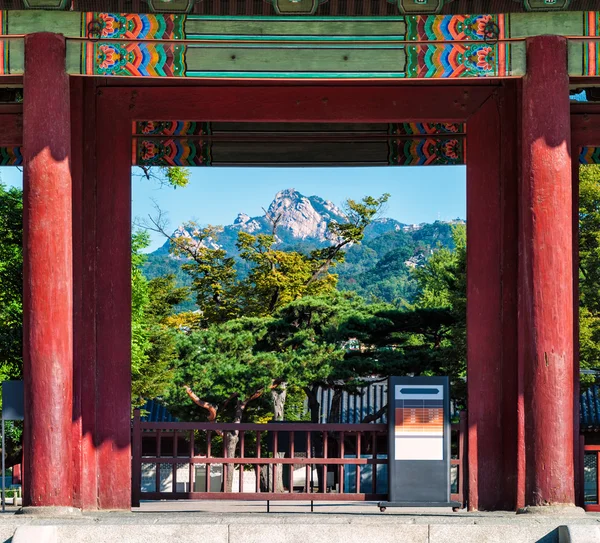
484,57
11,156
442,144
303,47
419,422
134,58
445,46
591,48
589,155
171,143
3,45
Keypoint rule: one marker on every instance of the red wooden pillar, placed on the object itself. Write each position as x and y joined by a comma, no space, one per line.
546,276
48,286
113,303
83,170
484,308
509,160
577,452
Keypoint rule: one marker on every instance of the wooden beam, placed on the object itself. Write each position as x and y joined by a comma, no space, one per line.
11,129
113,306
484,310
302,103
585,129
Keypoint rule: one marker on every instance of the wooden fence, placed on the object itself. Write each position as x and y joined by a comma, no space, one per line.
591,477
275,461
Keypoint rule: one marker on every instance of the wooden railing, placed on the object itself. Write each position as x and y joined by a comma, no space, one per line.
275,461
591,477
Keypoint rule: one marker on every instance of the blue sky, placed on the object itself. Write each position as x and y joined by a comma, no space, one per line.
217,195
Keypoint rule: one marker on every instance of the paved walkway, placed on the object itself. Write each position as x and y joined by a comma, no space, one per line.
333,522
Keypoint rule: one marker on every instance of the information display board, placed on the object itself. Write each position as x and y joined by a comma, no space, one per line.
419,442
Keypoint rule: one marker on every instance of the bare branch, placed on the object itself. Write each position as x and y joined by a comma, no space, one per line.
260,392
212,410
159,224
375,416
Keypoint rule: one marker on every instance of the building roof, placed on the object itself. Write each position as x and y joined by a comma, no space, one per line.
156,413
321,7
370,399
589,409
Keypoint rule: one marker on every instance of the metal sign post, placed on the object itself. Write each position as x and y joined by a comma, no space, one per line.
12,409
419,442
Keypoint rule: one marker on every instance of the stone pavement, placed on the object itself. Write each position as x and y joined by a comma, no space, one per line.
248,522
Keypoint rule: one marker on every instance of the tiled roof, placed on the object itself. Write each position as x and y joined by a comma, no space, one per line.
156,413
589,409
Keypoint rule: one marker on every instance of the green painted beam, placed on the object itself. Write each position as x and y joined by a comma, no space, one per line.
372,52
291,60
523,25
67,23
305,26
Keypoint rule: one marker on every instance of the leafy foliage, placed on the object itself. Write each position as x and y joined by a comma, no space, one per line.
589,268
153,340
11,304
275,277
11,282
175,176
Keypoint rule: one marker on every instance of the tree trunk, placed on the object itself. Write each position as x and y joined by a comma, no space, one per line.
279,395
316,438
335,417
335,413
313,403
231,446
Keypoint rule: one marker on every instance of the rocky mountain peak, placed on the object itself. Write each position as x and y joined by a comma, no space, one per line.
242,218
302,217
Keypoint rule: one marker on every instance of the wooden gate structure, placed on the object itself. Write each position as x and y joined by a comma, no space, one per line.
111,83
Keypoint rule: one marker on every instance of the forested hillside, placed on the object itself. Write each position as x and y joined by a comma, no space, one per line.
379,268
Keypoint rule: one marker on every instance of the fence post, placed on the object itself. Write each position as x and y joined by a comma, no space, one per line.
136,466
462,455
581,473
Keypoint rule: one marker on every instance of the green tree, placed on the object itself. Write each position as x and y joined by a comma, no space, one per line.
275,277
153,341
589,268
223,370
428,338
11,304
11,282
175,176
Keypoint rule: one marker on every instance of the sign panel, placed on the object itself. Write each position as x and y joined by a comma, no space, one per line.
12,400
419,441
419,426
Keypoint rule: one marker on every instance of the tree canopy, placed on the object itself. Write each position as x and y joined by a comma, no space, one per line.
11,282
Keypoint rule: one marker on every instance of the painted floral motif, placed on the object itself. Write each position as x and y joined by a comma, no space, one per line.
172,152
109,25
485,58
134,26
111,59
450,27
427,151
172,128
479,25
148,152
407,129
451,150
135,59
450,59
106,57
